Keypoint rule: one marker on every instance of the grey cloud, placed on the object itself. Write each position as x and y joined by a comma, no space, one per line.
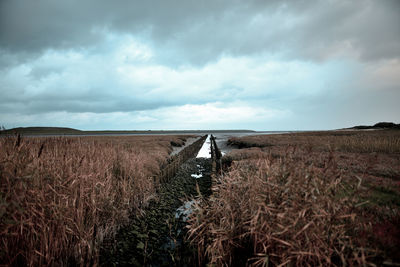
201,31
65,56
21,100
38,73
92,106
370,28
76,104
38,25
297,30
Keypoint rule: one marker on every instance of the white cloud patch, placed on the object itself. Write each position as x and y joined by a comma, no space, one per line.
186,117
215,115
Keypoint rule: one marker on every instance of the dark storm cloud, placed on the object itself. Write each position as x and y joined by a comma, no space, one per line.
94,101
199,31
37,25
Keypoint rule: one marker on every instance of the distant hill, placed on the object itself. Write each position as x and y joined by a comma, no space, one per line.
41,130
379,125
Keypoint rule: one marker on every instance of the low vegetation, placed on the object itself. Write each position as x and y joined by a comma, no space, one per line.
385,141
60,197
379,125
318,198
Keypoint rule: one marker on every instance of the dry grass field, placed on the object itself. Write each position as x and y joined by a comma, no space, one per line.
60,197
304,199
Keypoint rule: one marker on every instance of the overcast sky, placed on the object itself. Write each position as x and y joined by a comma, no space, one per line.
190,64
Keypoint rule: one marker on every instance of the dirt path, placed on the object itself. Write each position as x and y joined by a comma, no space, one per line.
157,238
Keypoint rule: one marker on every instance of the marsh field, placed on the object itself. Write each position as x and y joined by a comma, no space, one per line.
297,199
61,196
312,198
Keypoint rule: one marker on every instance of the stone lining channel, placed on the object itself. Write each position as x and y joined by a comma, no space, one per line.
158,237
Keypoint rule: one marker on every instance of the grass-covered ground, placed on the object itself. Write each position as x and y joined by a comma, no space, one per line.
316,198
60,197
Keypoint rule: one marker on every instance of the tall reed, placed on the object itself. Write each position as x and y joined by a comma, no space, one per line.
61,196
282,212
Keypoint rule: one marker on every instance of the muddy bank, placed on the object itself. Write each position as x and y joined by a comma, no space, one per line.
158,237
188,142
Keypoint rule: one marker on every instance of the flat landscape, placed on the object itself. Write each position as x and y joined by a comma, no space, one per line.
57,131
199,133
310,198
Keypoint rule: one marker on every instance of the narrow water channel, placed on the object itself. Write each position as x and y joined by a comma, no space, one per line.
158,237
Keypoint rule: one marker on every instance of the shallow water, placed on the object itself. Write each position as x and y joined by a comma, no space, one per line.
214,133
205,150
185,210
222,138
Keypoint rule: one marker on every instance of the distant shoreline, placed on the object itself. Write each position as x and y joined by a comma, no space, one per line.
63,131
56,131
